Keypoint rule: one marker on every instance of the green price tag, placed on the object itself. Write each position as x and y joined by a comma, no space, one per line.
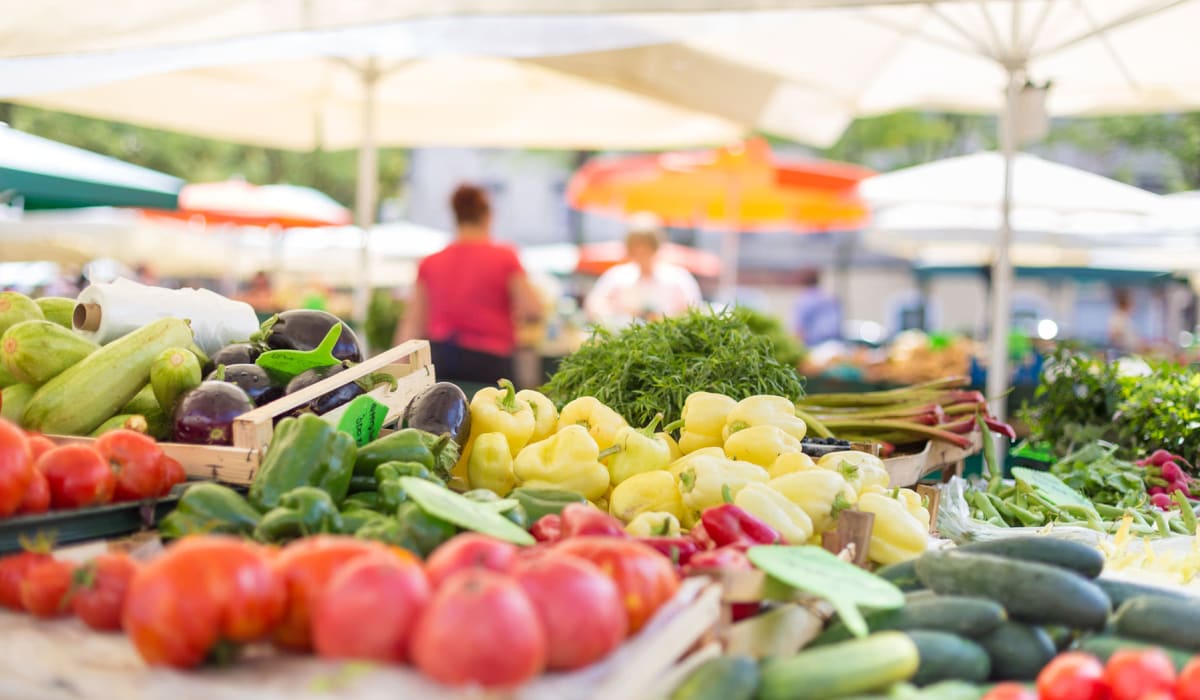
816,571
441,502
363,419
289,363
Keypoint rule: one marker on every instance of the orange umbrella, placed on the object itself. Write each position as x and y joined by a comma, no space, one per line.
595,258
241,203
741,188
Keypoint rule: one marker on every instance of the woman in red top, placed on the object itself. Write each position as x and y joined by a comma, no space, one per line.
469,297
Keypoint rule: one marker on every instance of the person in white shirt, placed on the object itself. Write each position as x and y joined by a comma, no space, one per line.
643,288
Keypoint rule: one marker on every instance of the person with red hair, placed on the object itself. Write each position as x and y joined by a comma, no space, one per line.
469,298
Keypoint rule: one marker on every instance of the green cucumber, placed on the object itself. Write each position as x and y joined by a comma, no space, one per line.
722,678
969,617
1080,558
948,657
1103,646
37,351
1018,651
14,399
848,668
1160,619
145,404
1030,592
1120,591
16,307
1062,637
124,421
902,575
174,371
60,310
77,401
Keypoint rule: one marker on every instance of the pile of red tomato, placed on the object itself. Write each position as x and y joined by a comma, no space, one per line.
478,611
1143,674
122,465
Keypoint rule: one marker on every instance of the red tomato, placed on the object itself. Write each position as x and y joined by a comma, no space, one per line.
137,461
369,608
466,551
644,577
13,569
579,607
78,476
46,588
100,587
1159,695
1072,676
16,467
37,496
1010,691
306,567
1131,674
172,473
40,445
201,591
480,628
1187,687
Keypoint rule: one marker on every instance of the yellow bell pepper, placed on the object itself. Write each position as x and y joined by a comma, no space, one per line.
760,444
643,493
639,450
789,463
821,493
568,460
498,410
601,422
859,469
545,415
896,535
765,410
651,524
703,416
491,465
709,481
914,504
680,464
672,445
774,509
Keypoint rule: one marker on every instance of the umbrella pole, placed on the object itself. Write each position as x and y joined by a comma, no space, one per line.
1002,273
365,194
727,282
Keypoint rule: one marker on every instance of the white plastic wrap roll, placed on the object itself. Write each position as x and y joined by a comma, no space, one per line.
124,306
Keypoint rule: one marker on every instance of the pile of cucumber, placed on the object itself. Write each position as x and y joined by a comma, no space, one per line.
978,614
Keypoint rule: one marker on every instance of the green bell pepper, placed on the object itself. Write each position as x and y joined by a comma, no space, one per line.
539,502
208,508
387,482
515,512
365,500
303,511
412,529
361,484
408,445
354,519
305,451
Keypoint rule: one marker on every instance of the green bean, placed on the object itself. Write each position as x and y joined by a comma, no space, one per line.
1179,527
1185,511
985,505
1109,511
1160,519
995,469
1027,517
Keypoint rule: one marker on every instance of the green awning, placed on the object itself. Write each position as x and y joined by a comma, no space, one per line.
46,174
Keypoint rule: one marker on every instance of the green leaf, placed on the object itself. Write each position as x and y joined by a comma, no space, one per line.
443,503
1051,488
816,571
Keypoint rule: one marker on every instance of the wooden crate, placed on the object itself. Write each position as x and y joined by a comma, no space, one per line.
907,470
409,363
63,660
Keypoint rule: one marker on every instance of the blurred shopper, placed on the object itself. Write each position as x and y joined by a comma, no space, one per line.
469,298
817,314
260,294
1122,336
643,288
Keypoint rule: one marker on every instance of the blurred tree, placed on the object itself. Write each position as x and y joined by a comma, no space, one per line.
907,138
198,159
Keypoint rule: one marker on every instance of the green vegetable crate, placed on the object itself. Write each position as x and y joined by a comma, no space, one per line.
409,363
76,525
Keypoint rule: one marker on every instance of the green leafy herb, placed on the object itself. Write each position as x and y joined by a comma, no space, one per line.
650,368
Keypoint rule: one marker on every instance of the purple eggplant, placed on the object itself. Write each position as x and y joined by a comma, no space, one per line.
442,408
252,379
204,415
330,400
304,329
236,354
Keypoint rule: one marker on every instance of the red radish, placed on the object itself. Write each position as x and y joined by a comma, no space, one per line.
1160,457
1162,501
1157,490
1171,472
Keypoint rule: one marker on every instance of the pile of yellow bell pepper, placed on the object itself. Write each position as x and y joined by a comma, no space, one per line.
744,452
